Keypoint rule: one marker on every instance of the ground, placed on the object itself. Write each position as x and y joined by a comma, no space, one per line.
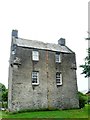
76,113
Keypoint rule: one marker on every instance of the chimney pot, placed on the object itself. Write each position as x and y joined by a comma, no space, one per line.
61,41
15,33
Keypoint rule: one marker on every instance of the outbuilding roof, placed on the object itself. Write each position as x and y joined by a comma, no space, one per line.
41,45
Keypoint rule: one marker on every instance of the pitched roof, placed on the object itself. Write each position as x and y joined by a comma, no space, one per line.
41,45
88,92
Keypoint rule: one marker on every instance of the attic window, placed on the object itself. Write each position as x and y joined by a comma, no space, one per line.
58,57
58,78
35,78
35,55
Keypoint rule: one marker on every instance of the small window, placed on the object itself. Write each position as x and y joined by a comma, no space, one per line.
35,55
58,58
58,78
13,52
35,78
13,48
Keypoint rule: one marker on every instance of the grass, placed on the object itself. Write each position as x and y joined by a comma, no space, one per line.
76,113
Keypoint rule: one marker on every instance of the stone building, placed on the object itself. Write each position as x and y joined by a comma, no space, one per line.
89,37
41,75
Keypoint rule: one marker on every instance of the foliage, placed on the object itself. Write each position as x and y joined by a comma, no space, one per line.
83,99
3,105
2,87
3,96
3,93
88,95
86,66
88,98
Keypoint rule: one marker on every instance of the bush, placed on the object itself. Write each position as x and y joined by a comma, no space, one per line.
82,100
5,105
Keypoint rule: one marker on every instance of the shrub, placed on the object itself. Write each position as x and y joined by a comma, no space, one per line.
5,105
82,100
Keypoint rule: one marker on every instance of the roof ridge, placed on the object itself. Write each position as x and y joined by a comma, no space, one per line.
41,45
37,41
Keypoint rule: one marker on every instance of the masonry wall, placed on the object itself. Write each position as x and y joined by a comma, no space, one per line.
89,37
47,94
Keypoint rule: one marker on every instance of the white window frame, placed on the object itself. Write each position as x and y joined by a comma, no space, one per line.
58,57
13,52
59,78
36,77
35,55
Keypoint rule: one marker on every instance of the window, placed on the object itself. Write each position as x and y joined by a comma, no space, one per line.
13,52
35,78
13,49
58,78
58,58
35,55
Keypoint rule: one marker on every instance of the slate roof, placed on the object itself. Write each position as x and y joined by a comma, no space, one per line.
41,45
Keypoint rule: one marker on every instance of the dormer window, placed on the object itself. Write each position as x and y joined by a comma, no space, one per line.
35,55
58,57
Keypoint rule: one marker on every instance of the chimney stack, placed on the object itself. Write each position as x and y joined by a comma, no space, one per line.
61,41
15,33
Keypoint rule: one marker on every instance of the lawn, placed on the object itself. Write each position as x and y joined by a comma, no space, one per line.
77,113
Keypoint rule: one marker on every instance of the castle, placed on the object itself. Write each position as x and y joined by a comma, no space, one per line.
41,75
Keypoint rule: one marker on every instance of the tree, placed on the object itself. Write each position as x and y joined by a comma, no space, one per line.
86,66
2,87
3,94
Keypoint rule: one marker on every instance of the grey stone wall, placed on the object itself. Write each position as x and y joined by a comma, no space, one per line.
23,95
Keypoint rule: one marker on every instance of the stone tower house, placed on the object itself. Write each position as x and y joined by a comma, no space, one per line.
41,75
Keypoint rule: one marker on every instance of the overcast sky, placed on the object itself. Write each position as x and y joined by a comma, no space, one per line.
47,21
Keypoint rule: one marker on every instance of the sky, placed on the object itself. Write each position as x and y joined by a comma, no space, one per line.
47,21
